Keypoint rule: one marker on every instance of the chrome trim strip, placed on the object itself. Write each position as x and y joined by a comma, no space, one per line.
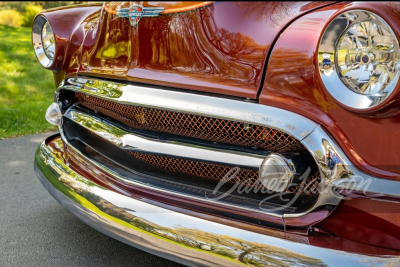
345,176
146,12
137,143
279,119
120,217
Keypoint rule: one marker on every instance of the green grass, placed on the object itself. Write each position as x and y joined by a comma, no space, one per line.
26,88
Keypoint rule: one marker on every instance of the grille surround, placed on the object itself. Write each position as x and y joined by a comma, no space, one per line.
310,134
196,126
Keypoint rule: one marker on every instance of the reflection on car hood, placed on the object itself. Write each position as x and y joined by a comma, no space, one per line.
218,48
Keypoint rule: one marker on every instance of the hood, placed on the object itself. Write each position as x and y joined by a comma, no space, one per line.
215,47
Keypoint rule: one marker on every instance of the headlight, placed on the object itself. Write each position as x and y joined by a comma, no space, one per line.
48,40
43,41
358,59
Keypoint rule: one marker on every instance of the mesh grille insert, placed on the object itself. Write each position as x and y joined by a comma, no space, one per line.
195,126
244,177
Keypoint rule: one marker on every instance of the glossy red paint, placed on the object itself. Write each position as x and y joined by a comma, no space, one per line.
343,244
366,221
107,47
69,26
307,220
292,82
220,48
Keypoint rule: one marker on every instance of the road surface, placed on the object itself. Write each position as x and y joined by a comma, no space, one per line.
37,231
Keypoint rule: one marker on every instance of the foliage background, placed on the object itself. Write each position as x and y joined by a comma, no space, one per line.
22,13
21,6
26,89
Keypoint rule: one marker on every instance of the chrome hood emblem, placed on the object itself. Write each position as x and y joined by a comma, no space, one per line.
135,12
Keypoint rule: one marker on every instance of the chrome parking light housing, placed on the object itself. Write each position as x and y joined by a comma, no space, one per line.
358,59
276,173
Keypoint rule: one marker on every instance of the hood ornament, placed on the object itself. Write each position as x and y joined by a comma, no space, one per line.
135,12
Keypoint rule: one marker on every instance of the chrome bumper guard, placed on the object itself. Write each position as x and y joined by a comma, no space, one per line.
172,235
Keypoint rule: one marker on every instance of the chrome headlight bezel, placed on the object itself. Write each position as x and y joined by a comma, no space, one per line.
330,71
37,41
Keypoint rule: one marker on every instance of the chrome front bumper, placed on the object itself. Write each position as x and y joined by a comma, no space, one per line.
172,235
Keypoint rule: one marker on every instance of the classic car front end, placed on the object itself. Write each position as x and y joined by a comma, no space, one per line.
228,133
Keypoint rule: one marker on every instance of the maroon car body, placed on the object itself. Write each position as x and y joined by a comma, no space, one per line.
256,53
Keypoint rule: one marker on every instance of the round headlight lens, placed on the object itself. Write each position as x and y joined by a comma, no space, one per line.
48,40
43,41
367,60
359,59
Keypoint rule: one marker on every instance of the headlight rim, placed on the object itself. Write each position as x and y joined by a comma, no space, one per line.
37,42
353,101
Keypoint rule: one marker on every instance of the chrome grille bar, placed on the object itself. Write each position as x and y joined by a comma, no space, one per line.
279,119
137,143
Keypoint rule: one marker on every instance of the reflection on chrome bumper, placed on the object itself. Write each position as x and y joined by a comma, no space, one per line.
172,235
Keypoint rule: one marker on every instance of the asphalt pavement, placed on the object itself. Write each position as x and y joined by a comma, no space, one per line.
37,231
